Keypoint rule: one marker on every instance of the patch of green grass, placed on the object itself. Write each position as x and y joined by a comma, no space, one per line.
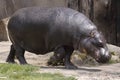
114,61
27,72
112,53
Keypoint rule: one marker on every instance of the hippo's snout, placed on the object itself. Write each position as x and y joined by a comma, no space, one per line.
103,59
104,56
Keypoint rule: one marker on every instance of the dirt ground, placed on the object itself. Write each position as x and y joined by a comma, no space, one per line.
101,72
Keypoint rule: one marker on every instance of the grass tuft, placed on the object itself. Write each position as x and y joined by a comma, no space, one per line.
27,72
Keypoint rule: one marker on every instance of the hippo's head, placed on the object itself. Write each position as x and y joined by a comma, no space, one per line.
96,47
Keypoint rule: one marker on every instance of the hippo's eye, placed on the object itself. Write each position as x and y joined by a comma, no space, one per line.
97,42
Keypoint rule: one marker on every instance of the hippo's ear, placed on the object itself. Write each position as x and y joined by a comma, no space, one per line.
102,36
100,33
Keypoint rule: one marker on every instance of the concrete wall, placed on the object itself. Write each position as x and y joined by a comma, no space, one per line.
8,7
50,3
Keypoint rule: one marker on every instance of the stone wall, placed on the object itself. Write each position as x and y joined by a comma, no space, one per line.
8,7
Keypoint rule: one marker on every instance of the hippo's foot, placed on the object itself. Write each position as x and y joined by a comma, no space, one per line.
10,61
70,66
11,56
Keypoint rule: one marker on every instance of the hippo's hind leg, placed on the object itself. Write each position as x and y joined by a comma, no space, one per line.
11,56
68,63
20,54
58,57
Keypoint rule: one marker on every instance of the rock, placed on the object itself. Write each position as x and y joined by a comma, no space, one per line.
3,31
82,59
115,51
113,48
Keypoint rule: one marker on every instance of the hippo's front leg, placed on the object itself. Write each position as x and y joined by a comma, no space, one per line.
58,57
68,63
62,56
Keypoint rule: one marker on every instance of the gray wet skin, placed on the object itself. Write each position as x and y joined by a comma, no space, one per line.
62,30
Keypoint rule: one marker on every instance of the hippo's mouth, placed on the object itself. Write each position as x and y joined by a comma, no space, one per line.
102,55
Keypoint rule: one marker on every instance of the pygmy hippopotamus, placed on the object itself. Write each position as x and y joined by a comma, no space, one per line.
62,30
